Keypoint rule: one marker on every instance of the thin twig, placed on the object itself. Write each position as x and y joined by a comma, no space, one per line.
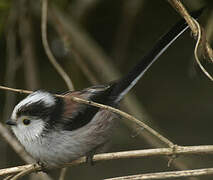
179,150
8,177
62,174
199,38
23,173
21,91
167,175
18,169
119,112
71,50
47,48
183,12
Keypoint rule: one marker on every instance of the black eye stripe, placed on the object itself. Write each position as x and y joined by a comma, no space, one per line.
38,109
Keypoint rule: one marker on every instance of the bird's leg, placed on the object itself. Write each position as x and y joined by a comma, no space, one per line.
43,167
90,154
89,157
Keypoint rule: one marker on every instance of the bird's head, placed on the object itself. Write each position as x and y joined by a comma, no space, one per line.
31,115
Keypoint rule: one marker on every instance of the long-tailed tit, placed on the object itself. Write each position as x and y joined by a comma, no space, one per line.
57,130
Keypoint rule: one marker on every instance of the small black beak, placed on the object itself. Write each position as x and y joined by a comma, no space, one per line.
11,122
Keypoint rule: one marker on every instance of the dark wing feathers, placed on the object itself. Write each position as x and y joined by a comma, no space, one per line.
76,115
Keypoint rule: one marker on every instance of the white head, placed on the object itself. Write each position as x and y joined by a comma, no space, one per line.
29,116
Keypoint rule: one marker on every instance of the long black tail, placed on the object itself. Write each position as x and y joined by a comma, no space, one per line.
125,84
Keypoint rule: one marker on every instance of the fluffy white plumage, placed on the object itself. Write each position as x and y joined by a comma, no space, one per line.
31,133
58,147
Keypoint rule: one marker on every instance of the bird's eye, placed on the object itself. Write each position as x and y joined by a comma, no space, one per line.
26,121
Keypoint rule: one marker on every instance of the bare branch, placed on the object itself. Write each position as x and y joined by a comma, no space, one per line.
62,174
199,40
8,177
71,51
21,91
17,169
197,31
167,175
47,48
178,150
23,173
208,53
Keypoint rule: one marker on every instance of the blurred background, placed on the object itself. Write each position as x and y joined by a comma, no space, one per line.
97,41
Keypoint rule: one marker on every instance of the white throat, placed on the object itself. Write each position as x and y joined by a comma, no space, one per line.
29,133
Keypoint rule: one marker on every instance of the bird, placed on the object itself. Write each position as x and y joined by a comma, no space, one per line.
56,130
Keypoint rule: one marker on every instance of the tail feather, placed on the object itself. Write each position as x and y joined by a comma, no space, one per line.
125,84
